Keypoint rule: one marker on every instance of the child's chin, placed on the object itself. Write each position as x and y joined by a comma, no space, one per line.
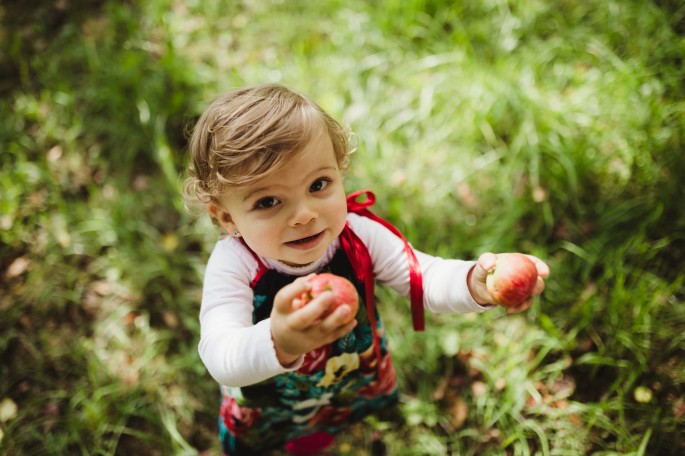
304,258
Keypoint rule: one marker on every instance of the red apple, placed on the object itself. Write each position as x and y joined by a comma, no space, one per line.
343,293
512,279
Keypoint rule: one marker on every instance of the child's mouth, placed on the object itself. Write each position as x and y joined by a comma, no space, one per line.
307,242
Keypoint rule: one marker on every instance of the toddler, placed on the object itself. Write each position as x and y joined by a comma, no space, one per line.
267,164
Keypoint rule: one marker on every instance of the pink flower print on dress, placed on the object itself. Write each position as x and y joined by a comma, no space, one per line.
238,420
330,415
315,360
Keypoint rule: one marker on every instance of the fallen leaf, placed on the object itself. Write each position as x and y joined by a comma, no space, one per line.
101,287
539,194
141,183
18,267
6,222
561,404
26,322
129,318
50,414
458,410
492,434
467,195
479,388
8,410
91,302
55,153
563,387
679,409
170,319
532,401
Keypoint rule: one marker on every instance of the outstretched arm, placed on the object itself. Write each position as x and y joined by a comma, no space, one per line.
450,285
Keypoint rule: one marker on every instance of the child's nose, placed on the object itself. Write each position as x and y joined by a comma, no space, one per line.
303,214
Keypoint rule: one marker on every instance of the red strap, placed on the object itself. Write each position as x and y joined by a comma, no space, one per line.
261,268
359,256
415,276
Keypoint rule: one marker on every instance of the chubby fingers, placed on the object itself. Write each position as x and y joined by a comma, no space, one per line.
313,312
338,323
539,286
339,317
290,293
486,261
543,272
542,267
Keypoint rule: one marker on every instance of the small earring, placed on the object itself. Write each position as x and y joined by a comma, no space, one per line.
236,233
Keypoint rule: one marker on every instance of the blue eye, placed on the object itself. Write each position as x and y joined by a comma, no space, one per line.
266,203
319,185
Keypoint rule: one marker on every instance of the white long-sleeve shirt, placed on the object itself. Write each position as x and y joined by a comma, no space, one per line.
237,352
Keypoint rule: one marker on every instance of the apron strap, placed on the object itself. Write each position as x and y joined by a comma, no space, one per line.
366,270
261,268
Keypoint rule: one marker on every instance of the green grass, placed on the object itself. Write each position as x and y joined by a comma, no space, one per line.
555,128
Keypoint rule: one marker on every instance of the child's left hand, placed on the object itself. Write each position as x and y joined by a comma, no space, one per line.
477,281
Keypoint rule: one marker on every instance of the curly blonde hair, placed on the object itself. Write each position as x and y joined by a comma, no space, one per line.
251,132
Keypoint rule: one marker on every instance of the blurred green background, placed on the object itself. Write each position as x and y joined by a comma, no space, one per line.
550,127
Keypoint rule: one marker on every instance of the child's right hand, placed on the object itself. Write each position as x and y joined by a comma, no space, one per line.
299,331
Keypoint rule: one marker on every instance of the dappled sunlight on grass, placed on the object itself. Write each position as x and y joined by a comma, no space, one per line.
554,128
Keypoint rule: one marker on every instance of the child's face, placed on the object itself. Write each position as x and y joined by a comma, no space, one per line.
293,214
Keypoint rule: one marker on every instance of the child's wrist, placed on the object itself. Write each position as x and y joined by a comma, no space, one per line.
285,359
474,287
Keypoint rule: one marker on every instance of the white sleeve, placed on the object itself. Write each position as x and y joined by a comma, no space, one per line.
235,351
445,288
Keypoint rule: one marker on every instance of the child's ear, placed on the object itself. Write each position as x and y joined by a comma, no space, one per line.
221,216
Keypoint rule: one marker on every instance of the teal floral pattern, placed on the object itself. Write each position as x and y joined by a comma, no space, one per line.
337,384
